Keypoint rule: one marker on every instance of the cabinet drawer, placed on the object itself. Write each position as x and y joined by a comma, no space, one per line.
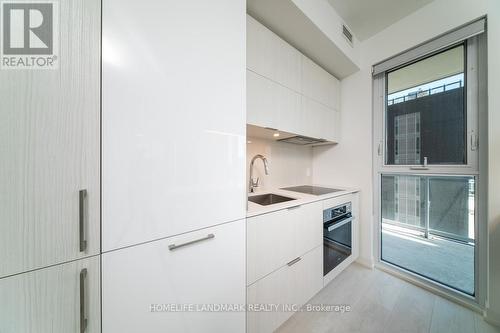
309,227
194,268
289,287
270,243
276,238
51,299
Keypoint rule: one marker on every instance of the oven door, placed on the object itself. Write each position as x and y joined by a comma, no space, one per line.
337,242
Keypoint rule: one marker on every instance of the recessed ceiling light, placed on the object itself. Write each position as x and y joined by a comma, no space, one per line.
249,141
276,134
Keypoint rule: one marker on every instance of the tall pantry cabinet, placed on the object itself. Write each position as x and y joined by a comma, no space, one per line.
122,172
50,184
173,168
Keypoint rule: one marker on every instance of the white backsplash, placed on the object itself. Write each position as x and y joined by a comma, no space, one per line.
288,164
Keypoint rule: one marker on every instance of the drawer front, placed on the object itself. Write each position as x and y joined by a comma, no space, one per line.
201,268
308,220
270,243
276,238
288,288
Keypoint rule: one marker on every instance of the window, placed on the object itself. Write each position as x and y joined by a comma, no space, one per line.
426,113
426,117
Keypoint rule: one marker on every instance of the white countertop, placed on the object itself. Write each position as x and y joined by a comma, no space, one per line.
254,209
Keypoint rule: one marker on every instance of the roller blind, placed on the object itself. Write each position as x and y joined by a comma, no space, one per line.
455,36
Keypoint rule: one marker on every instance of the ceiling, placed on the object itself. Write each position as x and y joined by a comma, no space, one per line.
368,17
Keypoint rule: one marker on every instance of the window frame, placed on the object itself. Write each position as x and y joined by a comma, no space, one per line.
470,103
476,74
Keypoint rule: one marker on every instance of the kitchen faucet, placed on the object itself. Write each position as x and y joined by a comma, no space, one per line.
255,183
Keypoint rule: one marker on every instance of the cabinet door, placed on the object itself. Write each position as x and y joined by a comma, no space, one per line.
319,85
271,56
53,299
140,282
173,117
270,243
288,288
50,143
270,104
308,227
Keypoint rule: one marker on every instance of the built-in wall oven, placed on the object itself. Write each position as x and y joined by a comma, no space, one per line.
337,235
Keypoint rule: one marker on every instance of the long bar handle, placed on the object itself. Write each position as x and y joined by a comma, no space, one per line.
340,224
294,261
83,317
82,218
172,247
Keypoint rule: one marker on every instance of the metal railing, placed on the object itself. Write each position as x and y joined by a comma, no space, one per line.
427,92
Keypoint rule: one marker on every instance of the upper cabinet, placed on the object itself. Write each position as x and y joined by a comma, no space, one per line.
319,85
272,57
173,117
288,91
50,146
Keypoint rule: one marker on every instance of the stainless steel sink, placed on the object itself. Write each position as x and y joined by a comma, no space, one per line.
268,199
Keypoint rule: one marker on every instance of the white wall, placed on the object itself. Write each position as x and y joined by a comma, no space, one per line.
288,164
350,162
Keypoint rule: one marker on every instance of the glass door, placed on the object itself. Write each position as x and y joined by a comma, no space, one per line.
426,166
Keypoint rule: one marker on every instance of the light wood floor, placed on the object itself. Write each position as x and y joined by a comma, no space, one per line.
383,303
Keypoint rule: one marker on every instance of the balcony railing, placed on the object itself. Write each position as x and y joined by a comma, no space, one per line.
427,92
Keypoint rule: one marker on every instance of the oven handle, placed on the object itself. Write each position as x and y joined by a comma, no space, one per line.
338,225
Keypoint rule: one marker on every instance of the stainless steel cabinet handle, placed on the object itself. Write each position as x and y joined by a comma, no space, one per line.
172,247
83,317
82,218
294,261
294,207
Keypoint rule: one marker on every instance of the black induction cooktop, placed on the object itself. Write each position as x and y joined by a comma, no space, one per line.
309,189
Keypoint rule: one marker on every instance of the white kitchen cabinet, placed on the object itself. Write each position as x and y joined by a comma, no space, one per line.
270,104
50,146
288,288
270,243
53,299
173,117
140,281
271,56
276,238
308,227
288,91
319,121
319,85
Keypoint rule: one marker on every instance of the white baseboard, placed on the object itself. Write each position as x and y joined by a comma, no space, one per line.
492,317
368,263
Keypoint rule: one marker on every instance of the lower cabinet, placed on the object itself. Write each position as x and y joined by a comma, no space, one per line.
273,239
274,298
57,299
177,284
